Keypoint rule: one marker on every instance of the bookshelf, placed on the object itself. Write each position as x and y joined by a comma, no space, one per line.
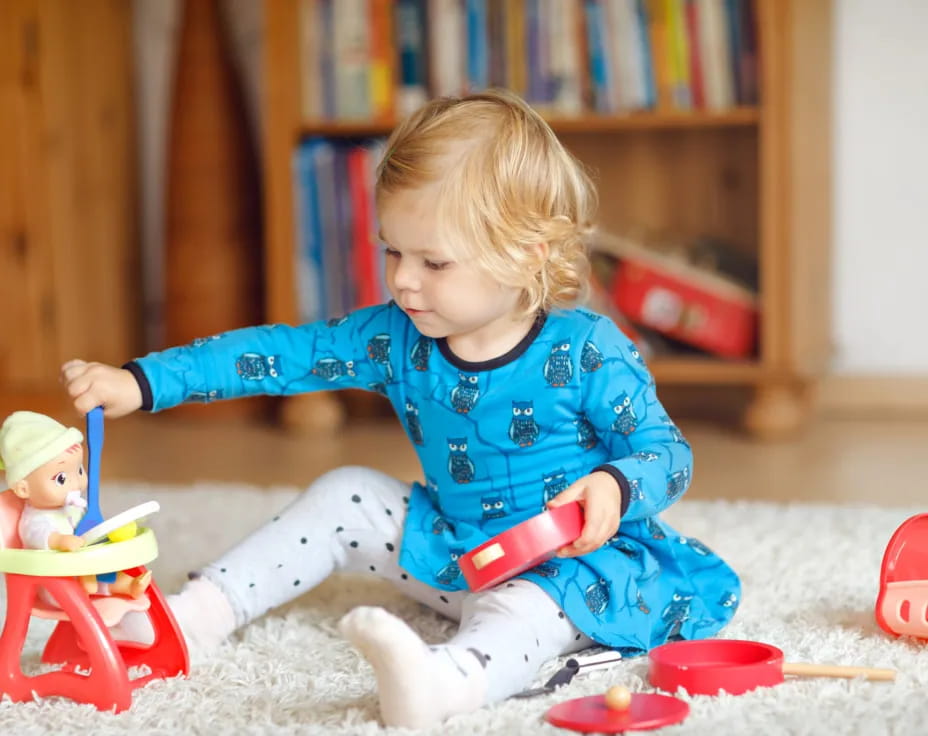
758,176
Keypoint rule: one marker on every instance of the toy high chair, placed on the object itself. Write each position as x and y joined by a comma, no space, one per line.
81,640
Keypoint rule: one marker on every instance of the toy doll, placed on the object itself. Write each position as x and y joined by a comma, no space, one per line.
44,464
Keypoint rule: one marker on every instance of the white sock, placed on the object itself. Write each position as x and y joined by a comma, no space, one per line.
203,613
418,685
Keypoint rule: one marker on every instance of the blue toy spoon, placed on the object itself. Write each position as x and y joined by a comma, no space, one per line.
94,447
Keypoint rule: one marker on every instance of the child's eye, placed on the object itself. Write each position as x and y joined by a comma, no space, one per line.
61,479
435,265
80,470
390,252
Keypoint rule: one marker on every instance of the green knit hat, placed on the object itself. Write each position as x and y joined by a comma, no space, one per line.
29,440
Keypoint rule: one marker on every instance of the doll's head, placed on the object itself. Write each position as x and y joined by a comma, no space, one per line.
43,459
506,193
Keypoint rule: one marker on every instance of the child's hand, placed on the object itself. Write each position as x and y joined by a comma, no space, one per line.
95,384
601,498
64,542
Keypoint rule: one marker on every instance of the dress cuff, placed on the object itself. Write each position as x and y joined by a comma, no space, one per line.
621,480
144,386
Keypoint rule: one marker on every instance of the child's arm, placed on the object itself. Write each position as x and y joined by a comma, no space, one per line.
651,461
272,359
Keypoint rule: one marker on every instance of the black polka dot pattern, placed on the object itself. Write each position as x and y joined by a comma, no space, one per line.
356,498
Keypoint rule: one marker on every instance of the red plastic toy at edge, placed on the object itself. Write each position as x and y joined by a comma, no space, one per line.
902,604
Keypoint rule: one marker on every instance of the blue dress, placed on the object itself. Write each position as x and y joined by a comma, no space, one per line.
496,440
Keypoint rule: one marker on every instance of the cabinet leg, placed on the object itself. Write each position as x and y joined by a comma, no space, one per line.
778,410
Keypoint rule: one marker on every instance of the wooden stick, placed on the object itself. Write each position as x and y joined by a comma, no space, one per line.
830,670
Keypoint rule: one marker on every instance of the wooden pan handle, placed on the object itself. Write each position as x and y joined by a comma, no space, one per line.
831,670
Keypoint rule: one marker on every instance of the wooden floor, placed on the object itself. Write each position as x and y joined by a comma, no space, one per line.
835,460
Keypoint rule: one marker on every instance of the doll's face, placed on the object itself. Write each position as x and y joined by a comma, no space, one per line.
48,486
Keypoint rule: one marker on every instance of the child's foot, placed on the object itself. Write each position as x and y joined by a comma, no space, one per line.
203,613
418,685
138,585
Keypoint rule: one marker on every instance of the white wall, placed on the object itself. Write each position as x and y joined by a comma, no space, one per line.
881,187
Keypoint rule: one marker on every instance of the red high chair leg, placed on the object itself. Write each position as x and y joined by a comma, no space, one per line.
106,685
166,656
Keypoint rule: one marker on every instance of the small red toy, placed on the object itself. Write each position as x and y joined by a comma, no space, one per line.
735,666
522,547
902,604
610,714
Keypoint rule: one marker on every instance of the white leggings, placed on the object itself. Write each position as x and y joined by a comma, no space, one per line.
351,520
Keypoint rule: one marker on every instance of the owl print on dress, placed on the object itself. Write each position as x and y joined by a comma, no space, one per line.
694,544
431,489
465,394
378,350
205,397
591,359
256,367
555,482
558,369
460,466
378,387
523,429
676,614
413,426
634,490
440,524
728,600
596,597
494,507
331,369
199,342
336,321
547,569
677,483
452,571
586,432
620,543
654,529
640,604
625,418
592,316
420,353
633,351
645,456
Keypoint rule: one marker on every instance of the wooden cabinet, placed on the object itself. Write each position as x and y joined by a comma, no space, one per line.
758,176
68,255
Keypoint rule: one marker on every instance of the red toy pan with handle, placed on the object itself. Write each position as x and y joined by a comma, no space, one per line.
525,545
735,666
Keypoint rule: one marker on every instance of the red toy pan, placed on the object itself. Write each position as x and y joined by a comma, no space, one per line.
735,666
522,547
902,604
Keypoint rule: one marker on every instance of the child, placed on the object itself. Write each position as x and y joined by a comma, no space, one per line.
514,399
44,464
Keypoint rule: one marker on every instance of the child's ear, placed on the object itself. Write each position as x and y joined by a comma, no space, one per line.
20,488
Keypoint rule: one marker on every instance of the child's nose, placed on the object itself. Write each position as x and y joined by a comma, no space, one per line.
405,276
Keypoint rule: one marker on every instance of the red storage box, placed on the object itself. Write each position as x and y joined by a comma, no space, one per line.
700,308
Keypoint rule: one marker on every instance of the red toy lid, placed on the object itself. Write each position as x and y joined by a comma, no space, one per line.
591,714
522,547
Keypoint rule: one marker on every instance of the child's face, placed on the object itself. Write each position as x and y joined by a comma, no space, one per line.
48,486
444,296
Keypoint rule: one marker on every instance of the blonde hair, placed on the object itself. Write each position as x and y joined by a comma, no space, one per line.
505,185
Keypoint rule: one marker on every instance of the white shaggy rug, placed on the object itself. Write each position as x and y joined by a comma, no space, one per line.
810,576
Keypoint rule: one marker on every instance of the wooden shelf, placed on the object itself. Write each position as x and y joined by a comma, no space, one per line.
708,371
588,123
756,177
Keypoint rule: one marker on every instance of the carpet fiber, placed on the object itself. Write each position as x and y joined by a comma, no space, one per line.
810,577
